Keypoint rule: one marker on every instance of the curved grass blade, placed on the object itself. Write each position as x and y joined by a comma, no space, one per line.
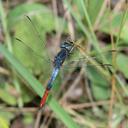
38,88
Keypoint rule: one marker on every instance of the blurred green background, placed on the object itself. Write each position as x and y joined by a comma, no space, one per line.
86,94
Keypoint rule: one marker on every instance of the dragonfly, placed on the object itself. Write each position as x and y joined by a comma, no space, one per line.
66,48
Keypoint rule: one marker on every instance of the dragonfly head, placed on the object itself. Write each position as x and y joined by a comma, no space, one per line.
68,45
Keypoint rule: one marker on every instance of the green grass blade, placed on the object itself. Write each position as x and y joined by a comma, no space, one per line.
4,25
37,87
95,41
78,20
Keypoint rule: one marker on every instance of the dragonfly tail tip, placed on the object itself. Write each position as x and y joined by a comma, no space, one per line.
44,98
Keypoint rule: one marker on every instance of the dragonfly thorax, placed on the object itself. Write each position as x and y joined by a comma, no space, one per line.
60,57
68,45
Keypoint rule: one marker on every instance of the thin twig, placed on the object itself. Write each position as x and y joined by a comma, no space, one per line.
37,122
74,84
23,110
4,71
89,93
70,23
98,19
88,105
68,77
113,78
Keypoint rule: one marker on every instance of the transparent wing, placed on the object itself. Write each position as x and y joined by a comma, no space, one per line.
30,49
78,60
39,37
37,64
43,57
95,68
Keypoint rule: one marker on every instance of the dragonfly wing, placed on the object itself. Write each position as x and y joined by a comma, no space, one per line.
90,60
34,61
95,69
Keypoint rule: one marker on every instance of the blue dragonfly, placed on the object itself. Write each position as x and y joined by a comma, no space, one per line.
66,49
